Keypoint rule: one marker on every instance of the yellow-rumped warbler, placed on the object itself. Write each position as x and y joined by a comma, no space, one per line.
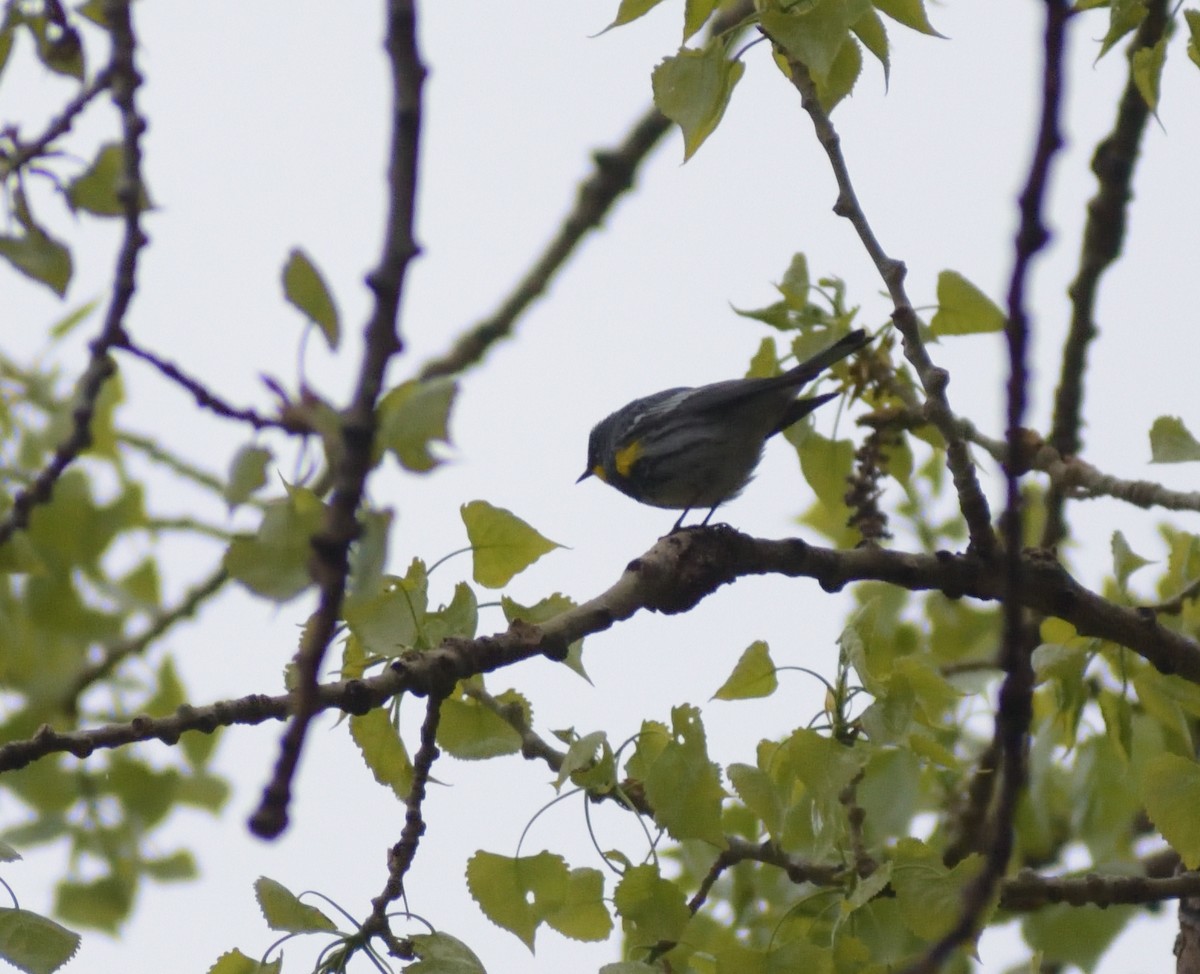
693,448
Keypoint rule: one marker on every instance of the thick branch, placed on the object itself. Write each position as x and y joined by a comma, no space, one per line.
678,572
331,545
1015,710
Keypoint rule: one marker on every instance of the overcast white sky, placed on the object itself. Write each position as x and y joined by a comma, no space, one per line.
267,131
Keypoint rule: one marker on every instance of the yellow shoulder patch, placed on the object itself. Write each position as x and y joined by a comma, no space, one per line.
627,456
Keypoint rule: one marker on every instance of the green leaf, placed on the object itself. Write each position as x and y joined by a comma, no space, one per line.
682,785
393,620
383,750
963,309
695,14
518,894
1147,72
103,903
96,190
8,853
759,794
582,914
175,867
842,77
35,944
1170,441
413,415
1171,792
1123,16
910,13
814,33
282,909
235,962
583,753
630,967
502,545
870,30
652,908
631,10
541,611
1125,560
753,676
472,732
247,473
693,88
273,562
70,321
305,289
39,257
930,895
1074,936
826,464
1193,45
439,953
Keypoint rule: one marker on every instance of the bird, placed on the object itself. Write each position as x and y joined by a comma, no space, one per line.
696,447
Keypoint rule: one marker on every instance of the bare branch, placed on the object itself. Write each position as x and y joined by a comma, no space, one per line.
1103,235
401,855
331,546
205,397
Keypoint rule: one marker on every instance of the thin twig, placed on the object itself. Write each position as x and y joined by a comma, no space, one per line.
331,545
973,504
1103,235
59,126
114,654
402,854
614,175
123,80
205,397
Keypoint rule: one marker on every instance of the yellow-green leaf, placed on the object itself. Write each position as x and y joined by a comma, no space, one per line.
40,257
521,893
910,13
1193,45
692,89
35,944
383,750
414,415
502,545
1171,442
247,473
963,309
1147,71
753,676
1171,793
439,953
283,910
273,562
95,191
305,289
235,962
814,33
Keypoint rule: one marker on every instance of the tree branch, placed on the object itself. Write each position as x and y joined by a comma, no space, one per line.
614,174
973,504
331,545
123,80
678,572
1103,235
401,855
1015,710
205,397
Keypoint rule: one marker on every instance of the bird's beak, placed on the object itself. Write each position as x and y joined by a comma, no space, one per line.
583,476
